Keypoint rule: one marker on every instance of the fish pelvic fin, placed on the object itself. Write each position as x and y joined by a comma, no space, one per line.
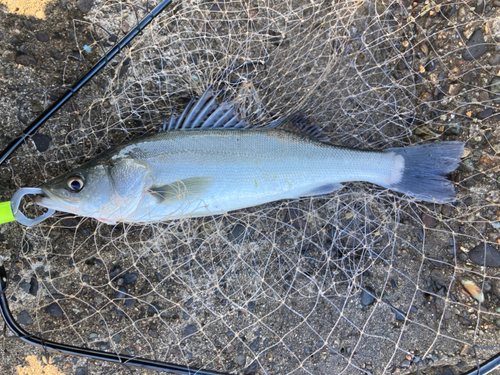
181,190
421,171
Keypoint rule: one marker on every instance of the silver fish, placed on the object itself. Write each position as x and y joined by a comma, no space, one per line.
207,162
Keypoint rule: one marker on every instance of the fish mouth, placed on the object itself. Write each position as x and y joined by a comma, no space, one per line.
49,200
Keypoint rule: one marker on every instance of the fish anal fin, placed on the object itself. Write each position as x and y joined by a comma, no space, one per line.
181,190
323,189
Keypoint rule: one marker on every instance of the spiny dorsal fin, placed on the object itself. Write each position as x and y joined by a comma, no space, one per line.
206,113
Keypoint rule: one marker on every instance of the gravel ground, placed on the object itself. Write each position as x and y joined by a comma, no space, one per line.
169,304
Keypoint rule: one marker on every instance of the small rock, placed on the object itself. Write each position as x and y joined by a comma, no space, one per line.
494,59
116,338
25,286
56,54
475,47
367,296
489,161
240,359
85,5
446,209
252,369
81,370
494,88
484,113
42,36
121,292
190,330
54,310
454,89
129,278
129,302
485,255
115,271
430,66
237,233
429,221
254,346
24,318
474,290
452,128
26,60
33,286
405,363
251,306
41,141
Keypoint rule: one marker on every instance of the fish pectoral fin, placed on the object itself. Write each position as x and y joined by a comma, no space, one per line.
181,190
323,189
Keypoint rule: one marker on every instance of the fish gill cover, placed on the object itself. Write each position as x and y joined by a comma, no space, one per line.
363,280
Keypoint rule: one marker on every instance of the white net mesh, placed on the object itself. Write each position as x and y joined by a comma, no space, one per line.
362,280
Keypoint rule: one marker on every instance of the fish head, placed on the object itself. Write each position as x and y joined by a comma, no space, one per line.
85,191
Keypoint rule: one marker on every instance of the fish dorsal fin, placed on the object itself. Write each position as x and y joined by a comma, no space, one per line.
298,123
206,113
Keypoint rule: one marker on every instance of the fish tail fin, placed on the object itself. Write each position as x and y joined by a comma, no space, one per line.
422,170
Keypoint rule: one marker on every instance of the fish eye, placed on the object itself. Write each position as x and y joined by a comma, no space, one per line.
75,183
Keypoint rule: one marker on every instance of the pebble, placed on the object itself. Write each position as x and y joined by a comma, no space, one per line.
405,363
115,271
33,286
252,369
26,60
238,233
484,113
494,59
251,306
42,36
367,296
85,5
254,346
56,54
121,292
83,370
485,255
494,88
54,310
24,318
446,210
474,290
476,47
453,128
190,330
429,221
497,322
129,278
25,286
240,359
189,302
116,338
42,142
